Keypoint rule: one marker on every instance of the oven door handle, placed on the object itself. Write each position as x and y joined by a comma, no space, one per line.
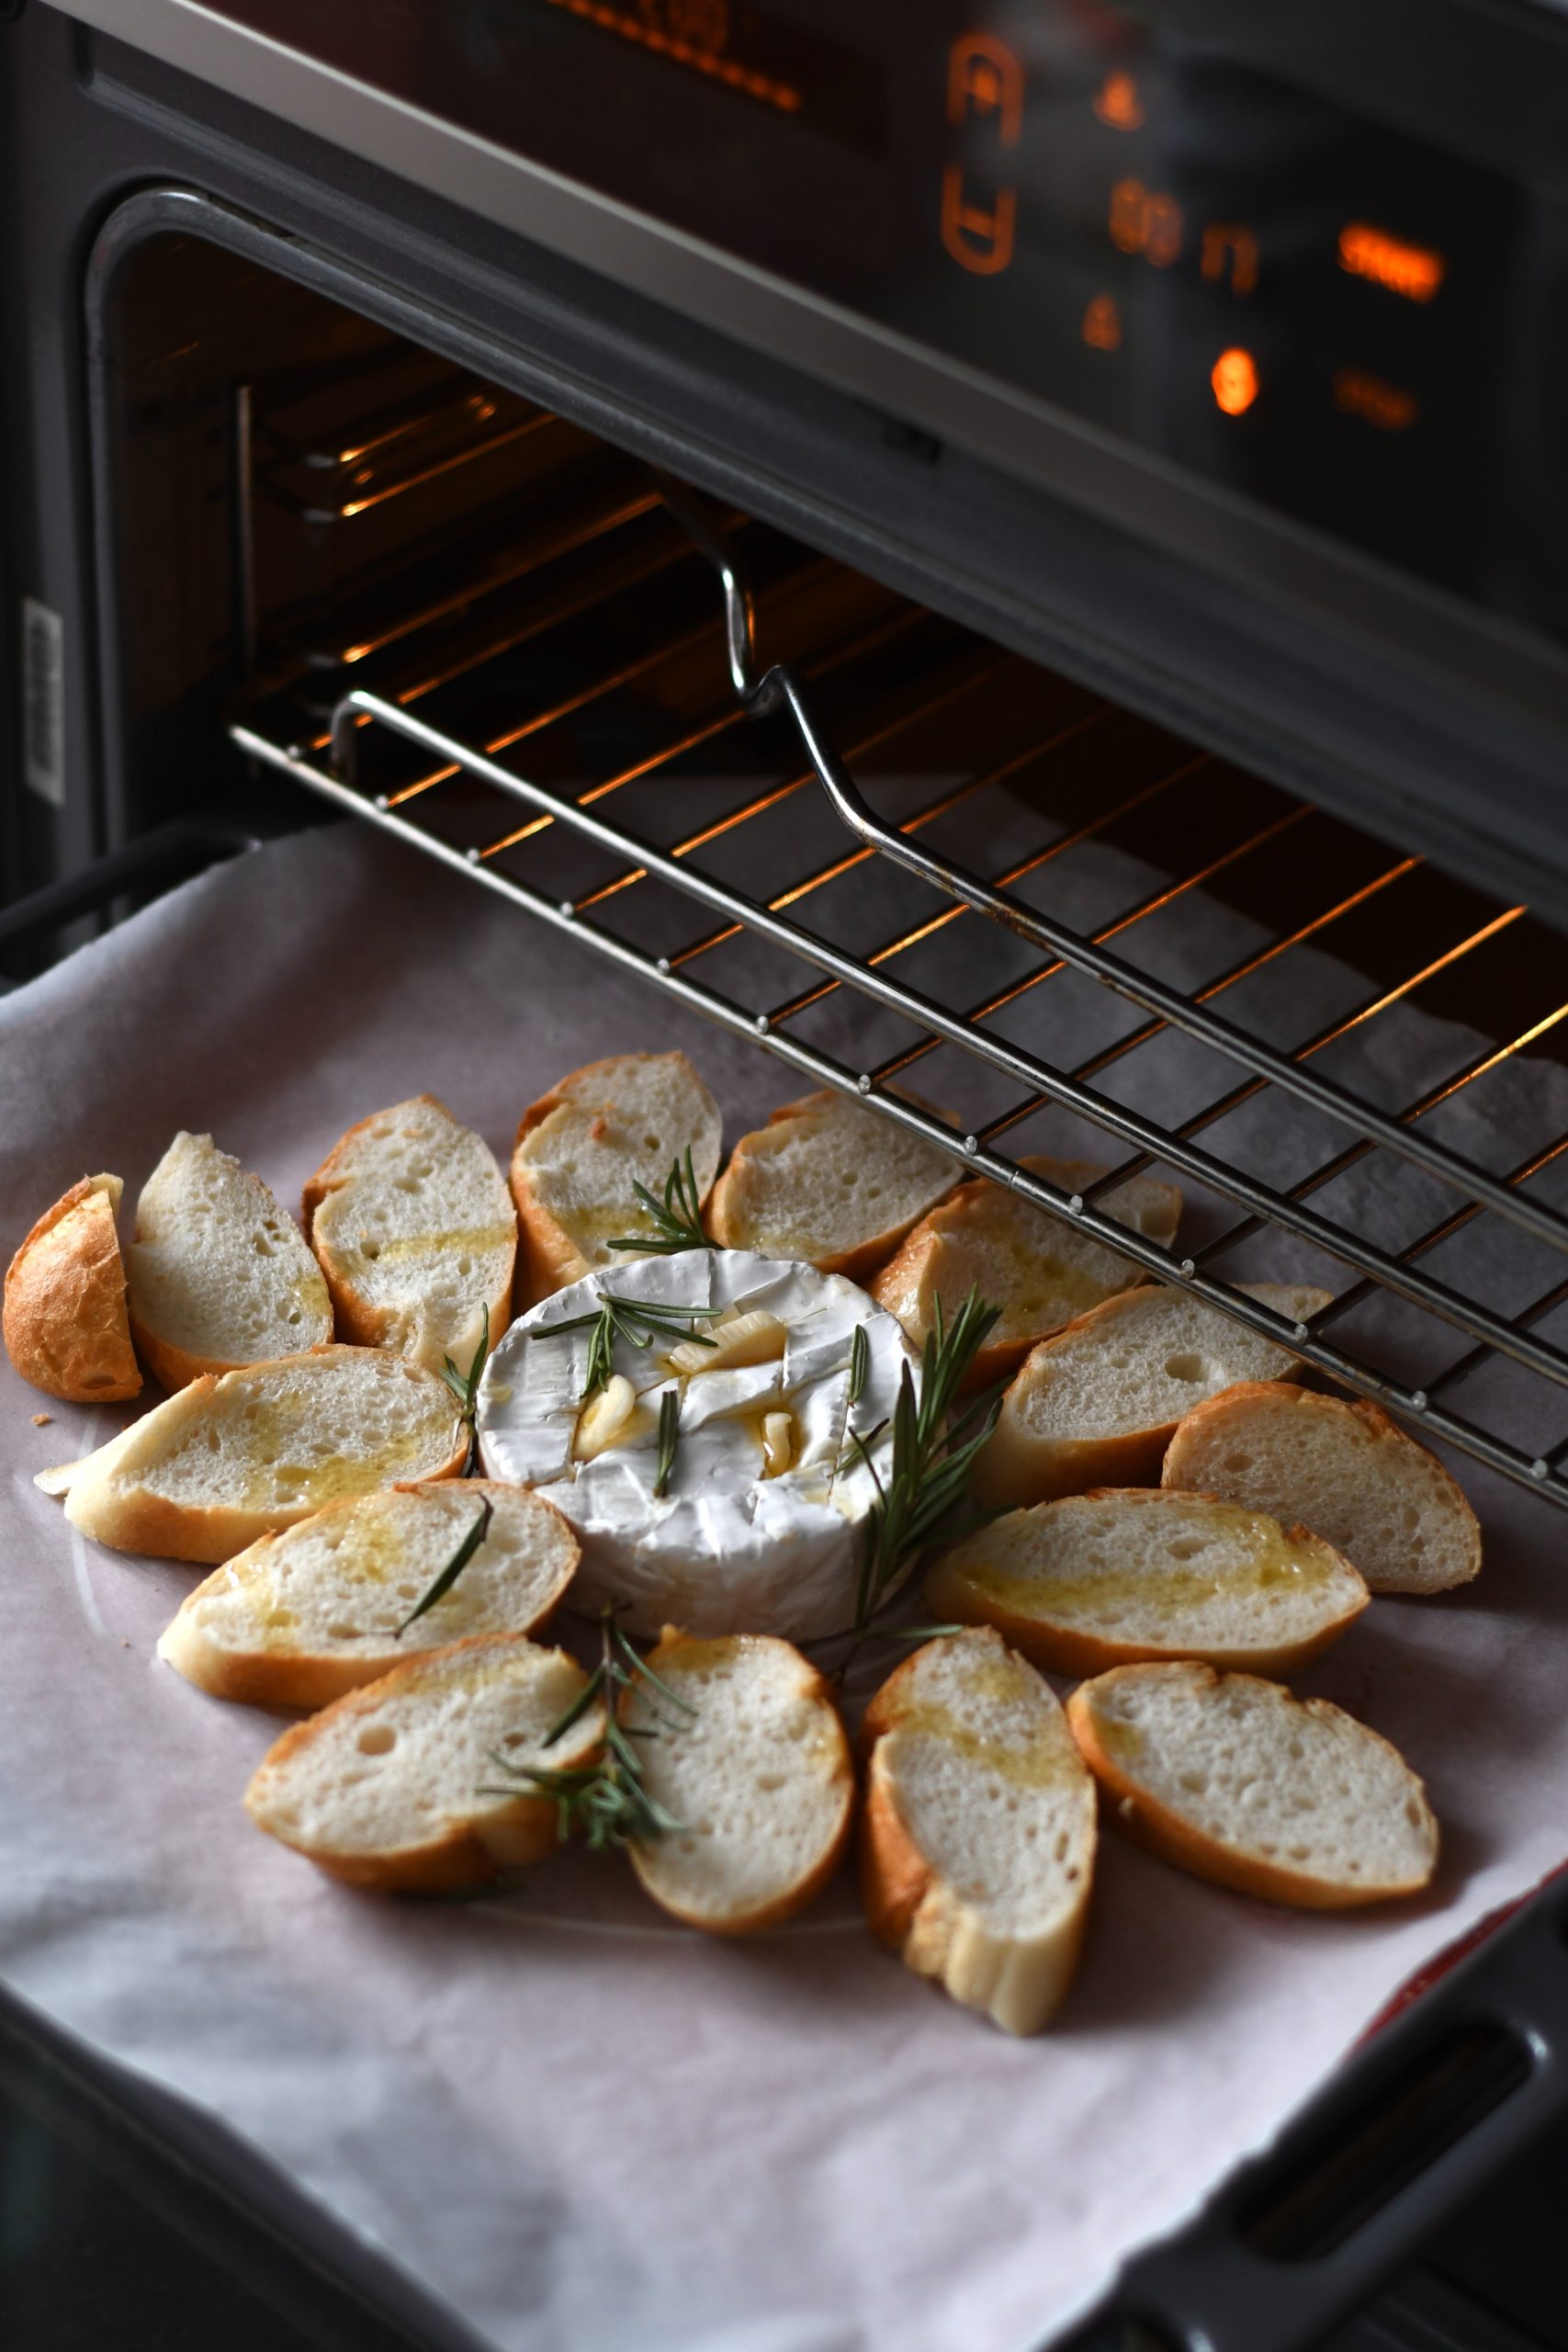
153,862
1416,2123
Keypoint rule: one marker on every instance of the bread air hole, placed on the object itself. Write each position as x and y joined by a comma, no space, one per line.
376,1739
1186,1366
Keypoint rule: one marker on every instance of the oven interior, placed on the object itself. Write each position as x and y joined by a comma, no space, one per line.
1192,971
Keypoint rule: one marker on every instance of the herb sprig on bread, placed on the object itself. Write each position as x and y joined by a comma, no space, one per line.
608,1800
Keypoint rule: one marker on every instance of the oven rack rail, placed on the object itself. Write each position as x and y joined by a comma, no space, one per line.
778,688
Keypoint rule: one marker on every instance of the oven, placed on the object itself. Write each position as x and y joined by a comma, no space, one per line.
865,523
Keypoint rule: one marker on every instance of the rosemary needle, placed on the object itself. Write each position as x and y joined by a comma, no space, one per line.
669,1438
443,1584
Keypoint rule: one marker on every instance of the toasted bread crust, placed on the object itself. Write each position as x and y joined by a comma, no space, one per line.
141,1520
1162,1831
899,1284
1234,1403
729,1223
1067,1649
794,1899
311,1679
1018,1981
1018,1466
460,1857
551,1258
357,1320
65,1325
894,1877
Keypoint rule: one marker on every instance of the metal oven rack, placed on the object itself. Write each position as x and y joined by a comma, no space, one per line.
1234,988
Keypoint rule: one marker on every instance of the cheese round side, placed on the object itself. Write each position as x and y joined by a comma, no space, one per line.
725,1550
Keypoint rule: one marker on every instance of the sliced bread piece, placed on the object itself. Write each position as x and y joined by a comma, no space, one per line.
1041,1271
829,1181
1231,1778
228,1460
1097,1404
583,1146
757,1776
1131,1573
299,1618
979,1832
1345,1470
406,1785
413,1224
218,1274
64,1317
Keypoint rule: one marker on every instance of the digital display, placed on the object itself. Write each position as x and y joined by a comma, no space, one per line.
1266,287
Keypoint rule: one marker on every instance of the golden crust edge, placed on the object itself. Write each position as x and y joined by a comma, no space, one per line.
100,1367
1162,1831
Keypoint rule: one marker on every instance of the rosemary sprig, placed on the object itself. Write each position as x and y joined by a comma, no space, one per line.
669,1439
677,1219
860,1364
927,1477
466,1388
443,1584
609,1801
635,1322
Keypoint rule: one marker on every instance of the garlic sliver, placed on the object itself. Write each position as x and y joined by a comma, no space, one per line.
740,1339
778,1444
605,1419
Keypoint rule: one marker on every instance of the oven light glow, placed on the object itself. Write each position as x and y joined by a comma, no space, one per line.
1117,102
1145,221
978,235
1228,247
692,36
1411,271
985,77
1102,325
1369,397
1234,376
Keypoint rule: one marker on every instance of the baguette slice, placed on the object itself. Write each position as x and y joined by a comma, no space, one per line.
1097,1404
228,1460
1040,1270
829,1181
415,1229
301,1617
978,1833
405,1785
1123,1575
757,1776
64,1317
583,1148
1231,1778
219,1276
1345,1470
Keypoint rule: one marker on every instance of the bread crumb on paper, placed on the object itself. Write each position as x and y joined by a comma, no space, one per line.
42,1420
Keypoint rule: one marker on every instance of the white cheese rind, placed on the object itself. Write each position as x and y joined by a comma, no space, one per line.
725,1550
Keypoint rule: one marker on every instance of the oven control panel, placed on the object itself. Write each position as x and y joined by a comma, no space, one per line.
1306,297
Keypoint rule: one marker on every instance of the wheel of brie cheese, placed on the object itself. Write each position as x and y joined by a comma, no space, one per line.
759,1523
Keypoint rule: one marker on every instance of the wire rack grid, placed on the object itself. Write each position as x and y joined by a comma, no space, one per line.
915,856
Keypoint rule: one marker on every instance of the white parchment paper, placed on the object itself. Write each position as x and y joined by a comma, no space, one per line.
570,2119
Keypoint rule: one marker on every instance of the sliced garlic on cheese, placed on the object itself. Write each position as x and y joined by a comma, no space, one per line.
754,1338
760,1528
778,1444
604,1420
